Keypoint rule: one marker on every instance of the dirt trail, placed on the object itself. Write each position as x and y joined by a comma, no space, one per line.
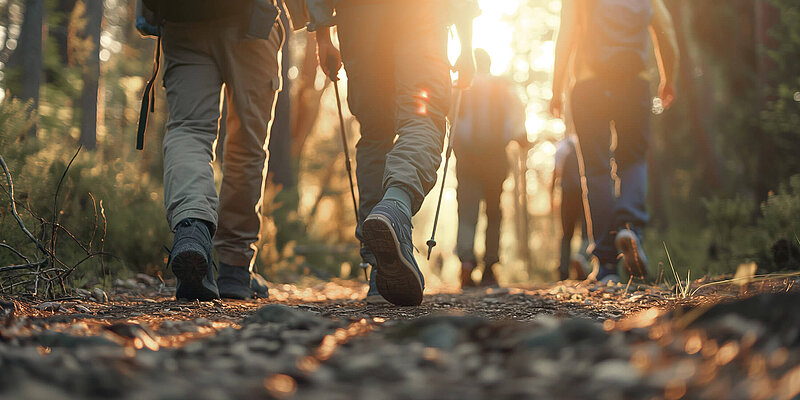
561,341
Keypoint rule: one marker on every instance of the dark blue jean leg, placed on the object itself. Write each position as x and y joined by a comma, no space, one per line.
590,106
632,120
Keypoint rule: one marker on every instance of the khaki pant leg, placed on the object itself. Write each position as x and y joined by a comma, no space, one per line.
251,71
492,192
193,84
422,96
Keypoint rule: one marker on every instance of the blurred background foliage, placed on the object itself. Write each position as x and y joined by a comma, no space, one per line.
724,164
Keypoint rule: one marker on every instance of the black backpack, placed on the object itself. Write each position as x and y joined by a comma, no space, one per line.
617,36
196,10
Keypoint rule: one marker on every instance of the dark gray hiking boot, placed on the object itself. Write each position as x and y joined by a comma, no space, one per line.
373,296
488,279
607,273
628,242
387,233
191,262
240,283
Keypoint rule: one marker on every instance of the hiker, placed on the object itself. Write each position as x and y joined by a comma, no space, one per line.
395,56
491,116
208,44
566,176
602,45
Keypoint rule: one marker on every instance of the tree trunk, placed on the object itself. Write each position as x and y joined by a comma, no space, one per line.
59,30
281,170
90,67
695,109
280,142
765,17
307,99
27,58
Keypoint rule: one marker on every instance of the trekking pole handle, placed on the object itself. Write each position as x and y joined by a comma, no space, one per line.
332,62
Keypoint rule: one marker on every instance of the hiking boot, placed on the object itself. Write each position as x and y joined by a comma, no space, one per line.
373,296
466,274
369,262
607,273
633,255
239,283
387,234
488,279
191,262
580,267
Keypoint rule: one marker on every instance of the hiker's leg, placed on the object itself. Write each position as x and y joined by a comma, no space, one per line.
251,69
492,191
422,99
468,194
590,101
366,55
193,82
632,118
571,212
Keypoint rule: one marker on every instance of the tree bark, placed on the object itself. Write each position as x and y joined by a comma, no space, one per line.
27,58
280,142
93,16
704,140
765,18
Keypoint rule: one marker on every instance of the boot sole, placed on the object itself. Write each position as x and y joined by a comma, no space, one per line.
632,256
397,281
375,299
190,268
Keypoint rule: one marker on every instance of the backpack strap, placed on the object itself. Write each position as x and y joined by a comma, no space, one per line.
148,98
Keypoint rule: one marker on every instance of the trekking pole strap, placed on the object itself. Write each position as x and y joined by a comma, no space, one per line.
148,98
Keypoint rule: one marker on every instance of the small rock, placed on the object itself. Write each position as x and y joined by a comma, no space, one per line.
136,331
441,335
617,373
99,295
127,283
83,293
279,313
57,339
49,306
82,309
7,308
146,279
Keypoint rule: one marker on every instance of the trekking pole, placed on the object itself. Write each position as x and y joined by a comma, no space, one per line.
333,69
432,241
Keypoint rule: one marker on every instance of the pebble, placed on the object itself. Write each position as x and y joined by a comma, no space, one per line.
278,351
99,296
49,306
146,279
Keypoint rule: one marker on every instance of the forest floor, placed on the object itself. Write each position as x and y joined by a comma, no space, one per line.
568,340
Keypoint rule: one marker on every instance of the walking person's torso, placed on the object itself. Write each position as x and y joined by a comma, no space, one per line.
614,39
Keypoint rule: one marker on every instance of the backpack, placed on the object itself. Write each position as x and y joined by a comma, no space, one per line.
483,117
617,33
